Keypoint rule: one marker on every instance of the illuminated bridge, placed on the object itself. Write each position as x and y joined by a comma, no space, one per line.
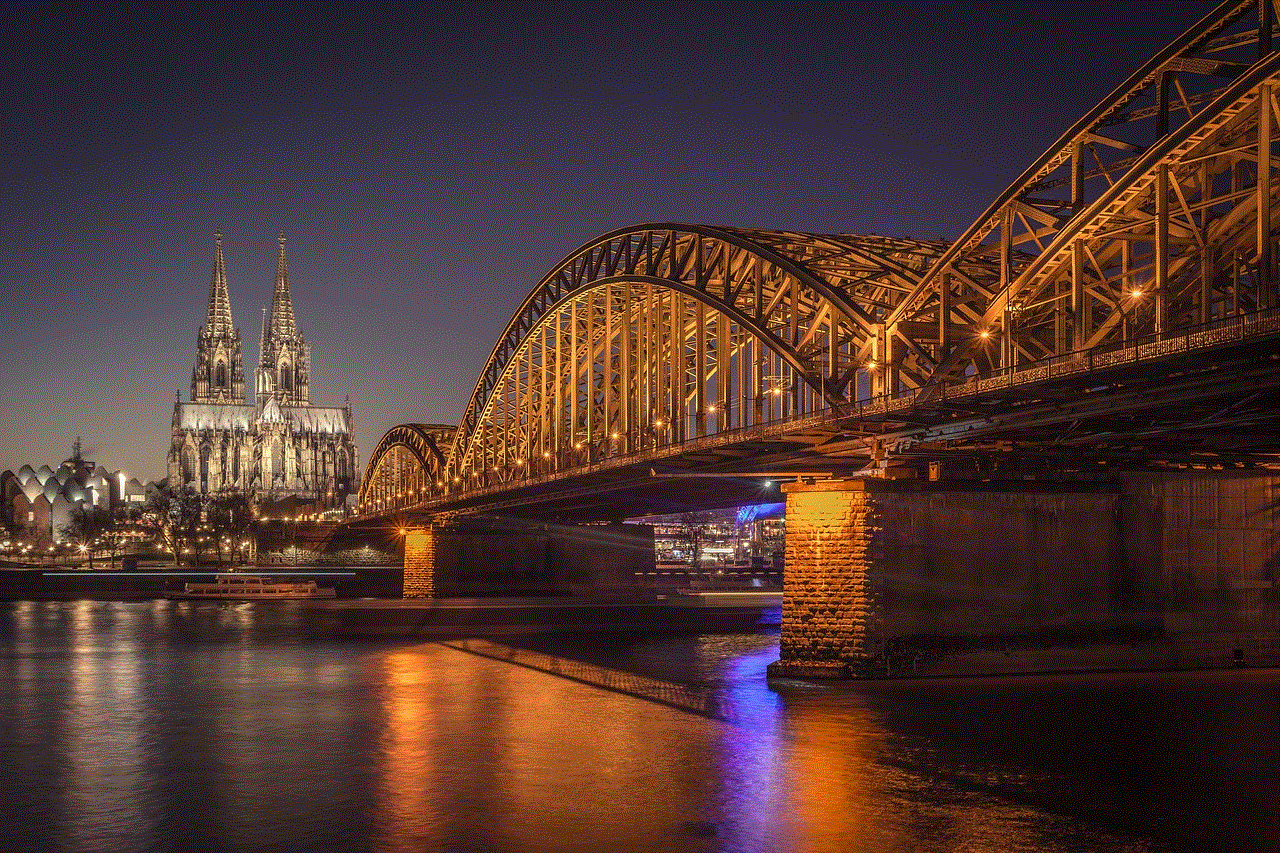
1115,308
1116,303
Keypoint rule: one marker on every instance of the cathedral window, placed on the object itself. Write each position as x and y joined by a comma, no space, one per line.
188,465
204,468
286,377
221,375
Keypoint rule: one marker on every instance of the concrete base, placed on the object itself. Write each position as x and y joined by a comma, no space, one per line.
814,669
1144,570
1191,651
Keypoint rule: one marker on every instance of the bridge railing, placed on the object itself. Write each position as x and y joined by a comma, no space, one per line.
1185,339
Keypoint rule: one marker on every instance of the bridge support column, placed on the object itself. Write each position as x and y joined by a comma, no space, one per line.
419,562
1135,570
829,600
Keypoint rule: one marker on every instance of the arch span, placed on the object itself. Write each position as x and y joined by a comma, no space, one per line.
1155,213
652,335
407,460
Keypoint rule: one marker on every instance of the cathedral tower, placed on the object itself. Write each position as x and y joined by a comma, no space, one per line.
218,376
285,365
276,445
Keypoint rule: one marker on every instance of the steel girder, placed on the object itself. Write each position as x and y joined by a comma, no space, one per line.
1154,212
406,460
653,335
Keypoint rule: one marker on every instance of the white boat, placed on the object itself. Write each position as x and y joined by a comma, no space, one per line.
250,588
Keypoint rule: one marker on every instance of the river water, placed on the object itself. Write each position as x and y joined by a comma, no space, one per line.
206,726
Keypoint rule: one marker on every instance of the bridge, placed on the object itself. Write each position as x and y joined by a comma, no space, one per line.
1116,309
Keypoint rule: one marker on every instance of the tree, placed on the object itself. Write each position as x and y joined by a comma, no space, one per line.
86,524
171,514
11,530
196,532
230,516
118,530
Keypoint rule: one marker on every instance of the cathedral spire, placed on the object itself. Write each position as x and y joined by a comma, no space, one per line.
282,324
218,376
285,355
264,344
218,319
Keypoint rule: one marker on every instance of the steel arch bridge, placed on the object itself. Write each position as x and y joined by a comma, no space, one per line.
406,460
1149,223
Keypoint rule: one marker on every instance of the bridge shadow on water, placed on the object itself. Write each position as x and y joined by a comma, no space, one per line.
1068,762
693,699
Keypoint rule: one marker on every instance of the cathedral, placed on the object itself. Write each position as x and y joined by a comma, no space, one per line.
276,444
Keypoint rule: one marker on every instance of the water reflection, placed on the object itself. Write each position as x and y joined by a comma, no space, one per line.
106,789
162,725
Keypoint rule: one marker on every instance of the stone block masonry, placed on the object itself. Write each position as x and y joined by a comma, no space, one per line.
1167,569
828,601
419,562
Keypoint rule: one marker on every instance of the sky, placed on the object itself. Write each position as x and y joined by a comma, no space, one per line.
428,164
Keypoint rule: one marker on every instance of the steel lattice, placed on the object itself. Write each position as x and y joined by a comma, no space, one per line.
1153,215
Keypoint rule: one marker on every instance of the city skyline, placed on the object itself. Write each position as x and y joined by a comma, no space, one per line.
427,173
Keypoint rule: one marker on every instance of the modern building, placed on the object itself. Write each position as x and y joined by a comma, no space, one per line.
40,502
277,444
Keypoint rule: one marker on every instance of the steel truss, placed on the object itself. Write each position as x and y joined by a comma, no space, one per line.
403,465
1155,213
653,336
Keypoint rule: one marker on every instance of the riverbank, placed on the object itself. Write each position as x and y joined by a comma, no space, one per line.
72,584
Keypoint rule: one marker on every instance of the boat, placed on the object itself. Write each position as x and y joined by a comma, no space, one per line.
251,588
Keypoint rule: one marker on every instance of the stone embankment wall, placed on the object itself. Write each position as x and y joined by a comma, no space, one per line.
1163,569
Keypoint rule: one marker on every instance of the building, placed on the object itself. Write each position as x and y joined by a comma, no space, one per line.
39,503
275,445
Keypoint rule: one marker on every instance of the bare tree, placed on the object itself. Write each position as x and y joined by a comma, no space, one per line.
11,530
171,515
87,523
230,516
117,533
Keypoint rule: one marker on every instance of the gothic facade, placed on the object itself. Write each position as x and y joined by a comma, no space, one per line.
277,444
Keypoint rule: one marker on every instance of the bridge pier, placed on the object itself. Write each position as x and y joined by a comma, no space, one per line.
829,600
1164,569
419,562
510,556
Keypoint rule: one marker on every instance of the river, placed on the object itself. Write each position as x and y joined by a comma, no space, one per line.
208,726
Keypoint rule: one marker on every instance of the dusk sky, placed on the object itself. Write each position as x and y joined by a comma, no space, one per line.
429,164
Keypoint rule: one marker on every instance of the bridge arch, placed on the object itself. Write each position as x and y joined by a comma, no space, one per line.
1142,218
652,335
1155,213
401,469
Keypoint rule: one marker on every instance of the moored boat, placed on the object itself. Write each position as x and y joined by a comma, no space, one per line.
251,587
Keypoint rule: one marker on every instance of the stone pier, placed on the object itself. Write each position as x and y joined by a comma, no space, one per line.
516,557
829,599
1170,569
419,562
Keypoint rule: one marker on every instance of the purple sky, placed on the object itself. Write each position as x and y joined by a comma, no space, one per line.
429,164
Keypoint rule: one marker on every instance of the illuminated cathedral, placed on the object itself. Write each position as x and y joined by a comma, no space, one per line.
275,444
